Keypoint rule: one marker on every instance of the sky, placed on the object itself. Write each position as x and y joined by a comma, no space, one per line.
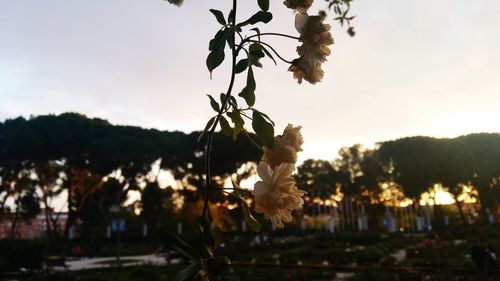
414,68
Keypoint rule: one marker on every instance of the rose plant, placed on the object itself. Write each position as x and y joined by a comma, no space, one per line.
275,194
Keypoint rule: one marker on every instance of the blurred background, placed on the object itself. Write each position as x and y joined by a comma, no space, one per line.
102,103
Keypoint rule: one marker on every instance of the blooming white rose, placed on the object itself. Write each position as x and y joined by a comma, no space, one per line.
276,194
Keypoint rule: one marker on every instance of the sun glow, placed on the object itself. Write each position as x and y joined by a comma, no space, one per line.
437,195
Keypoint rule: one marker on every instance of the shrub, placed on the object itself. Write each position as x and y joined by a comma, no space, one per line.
15,254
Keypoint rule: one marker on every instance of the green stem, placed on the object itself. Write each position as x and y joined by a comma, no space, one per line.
272,49
274,34
208,148
252,141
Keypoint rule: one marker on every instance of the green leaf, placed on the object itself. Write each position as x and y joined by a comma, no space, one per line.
241,66
263,4
238,122
233,102
209,124
269,54
175,243
265,116
230,16
214,59
219,16
222,98
255,53
216,48
255,50
229,38
247,215
213,104
260,16
218,43
257,31
248,93
225,128
263,129
188,273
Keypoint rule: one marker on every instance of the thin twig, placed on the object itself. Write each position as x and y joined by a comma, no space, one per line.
274,51
252,141
274,34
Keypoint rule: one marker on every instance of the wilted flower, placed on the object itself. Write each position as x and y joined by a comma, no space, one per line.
293,137
178,3
315,37
276,194
298,5
285,147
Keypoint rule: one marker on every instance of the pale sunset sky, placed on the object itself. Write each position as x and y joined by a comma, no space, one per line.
414,67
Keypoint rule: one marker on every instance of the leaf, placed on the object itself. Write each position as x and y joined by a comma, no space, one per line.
248,93
188,273
257,31
263,4
265,116
214,59
230,38
260,16
247,215
230,16
222,98
218,42
237,121
175,243
255,50
269,54
225,128
209,124
263,129
255,53
219,16
241,66
233,102
214,104
216,48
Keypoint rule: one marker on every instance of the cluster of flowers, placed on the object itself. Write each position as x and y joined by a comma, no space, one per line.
276,194
315,37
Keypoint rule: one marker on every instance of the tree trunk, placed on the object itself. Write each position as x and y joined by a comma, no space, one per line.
47,220
459,207
14,223
71,214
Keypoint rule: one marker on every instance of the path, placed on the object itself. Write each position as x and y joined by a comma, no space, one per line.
91,263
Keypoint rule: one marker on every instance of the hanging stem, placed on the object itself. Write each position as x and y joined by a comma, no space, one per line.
208,147
272,49
274,34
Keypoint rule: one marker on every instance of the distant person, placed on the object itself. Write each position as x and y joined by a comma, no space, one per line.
78,251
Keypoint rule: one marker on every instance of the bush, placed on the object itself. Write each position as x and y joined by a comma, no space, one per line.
15,254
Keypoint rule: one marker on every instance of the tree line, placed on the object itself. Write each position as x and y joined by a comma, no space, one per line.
45,156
